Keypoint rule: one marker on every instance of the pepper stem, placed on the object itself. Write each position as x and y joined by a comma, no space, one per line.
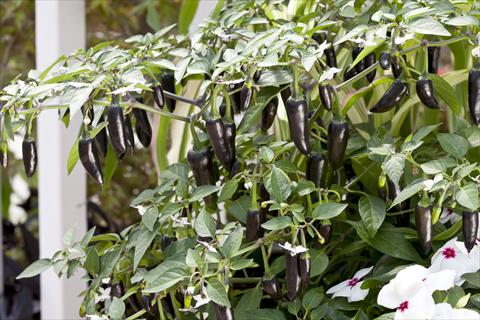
196,140
266,265
228,102
254,203
296,83
215,112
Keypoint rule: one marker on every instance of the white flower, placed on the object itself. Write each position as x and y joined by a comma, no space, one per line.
448,215
351,288
402,40
454,256
247,185
200,300
410,292
104,294
293,250
329,74
431,182
445,311
208,246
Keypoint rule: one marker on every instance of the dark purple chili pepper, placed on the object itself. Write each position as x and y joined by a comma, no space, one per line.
269,113
90,160
168,83
337,140
326,96
423,221
392,97
433,59
426,93
396,67
304,264
130,138
29,154
470,229
221,312
245,96
370,60
217,136
272,288
385,60
292,276
203,170
297,114
230,134
158,96
116,129
474,95
143,127
253,229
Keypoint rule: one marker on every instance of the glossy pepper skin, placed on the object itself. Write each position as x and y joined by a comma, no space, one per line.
253,228
297,114
426,93
236,101
338,134
29,154
315,172
304,264
330,55
116,129
370,60
469,229
168,83
230,134
292,276
221,312
90,160
269,113
203,170
102,139
326,96
272,288
350,74
474,95
130,138
391,98
245,97
433,59
385,60
165,241
158,96
360,66
216,135
143,127
390,194
396,67
423,221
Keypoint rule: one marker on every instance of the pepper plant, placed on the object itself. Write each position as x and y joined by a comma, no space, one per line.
307,161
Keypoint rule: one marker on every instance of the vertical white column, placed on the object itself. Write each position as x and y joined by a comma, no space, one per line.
60,29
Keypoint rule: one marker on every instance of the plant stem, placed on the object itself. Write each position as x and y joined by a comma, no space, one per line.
181,99
136,315
358,76
268,272
367,170
139,105
245,280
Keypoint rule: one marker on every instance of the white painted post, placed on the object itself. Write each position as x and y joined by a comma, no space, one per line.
60,29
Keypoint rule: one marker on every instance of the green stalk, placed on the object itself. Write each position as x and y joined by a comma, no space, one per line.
266,265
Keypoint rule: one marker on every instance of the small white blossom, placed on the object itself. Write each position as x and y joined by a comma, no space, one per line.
248,185
454,256
141,210
405,38
208,246
431,182
104,294
200,300
410,292
448,215
293,249
445,311
329,74
351,288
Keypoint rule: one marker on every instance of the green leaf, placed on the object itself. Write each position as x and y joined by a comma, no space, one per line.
312,298
372,210
394,167
35,268
228,190
445,91
250,300
241,264
279,186
472,278
233,242
238,208
203,191
366,50
437,166
150,217
468,196
454,144
205,225
461,21
412,189
450,232
424,131
186,15
217,293
305,187
277,223
73,157
116,309
141,245
428,25
275,78
328,210
92,262
260,314
319,262
165,281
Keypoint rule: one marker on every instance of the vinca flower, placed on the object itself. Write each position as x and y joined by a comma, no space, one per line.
454,256
351,288
410,292
445,311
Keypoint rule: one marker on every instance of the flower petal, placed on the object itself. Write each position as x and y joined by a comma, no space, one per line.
362,272
421,306
337,287
388,297
442,280
357,293
445,311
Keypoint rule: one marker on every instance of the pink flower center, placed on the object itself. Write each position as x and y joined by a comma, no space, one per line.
403,306
449,253
449,211
352,282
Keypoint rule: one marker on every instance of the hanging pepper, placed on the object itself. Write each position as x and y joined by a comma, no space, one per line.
391,191
235,169
370,60
217,135
230,134
385,60
474,95
29,154
426,93
337,140
272,288
203,170
326,96
325,231
90,160
297,114
392,97
246,96
423,221
315,172
292,276
330,55
433,59
236,99
396,67
285,94
470,229
116,290
168,83
129,137
221,312
158,96
360,66
349,74
165,241
269,113
116,128
143,127
253,228
304,264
